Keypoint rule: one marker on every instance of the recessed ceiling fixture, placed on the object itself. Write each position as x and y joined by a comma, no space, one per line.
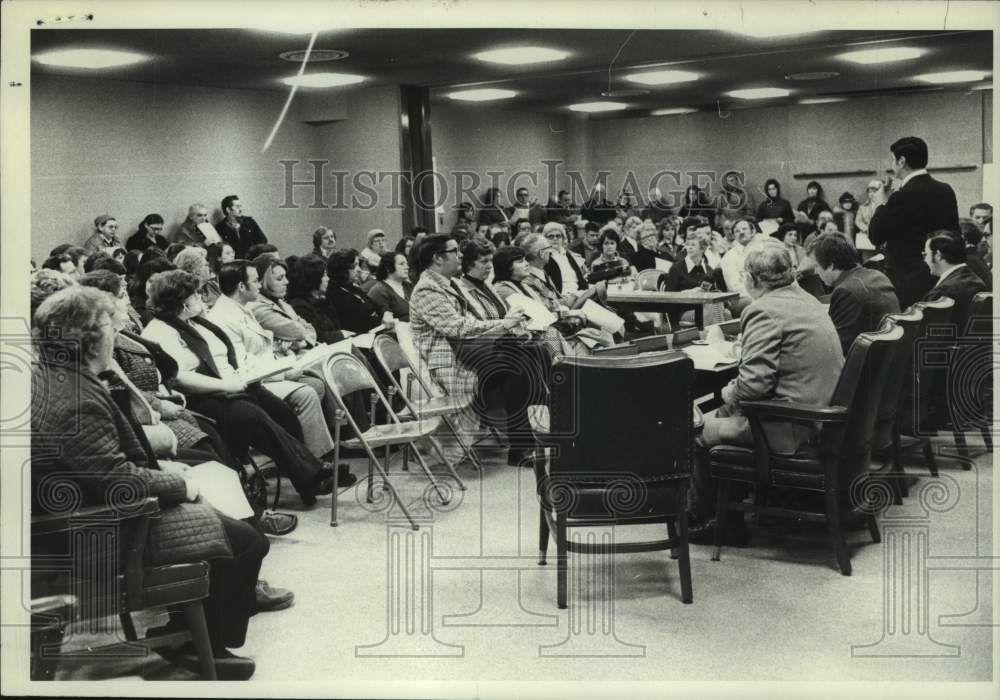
322,80
886,55
662,77
821,100
816,75
315,56
90,58
955,76
521,55
598,106
673,110
481,94
759,93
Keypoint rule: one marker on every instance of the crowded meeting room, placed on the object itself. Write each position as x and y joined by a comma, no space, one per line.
395,349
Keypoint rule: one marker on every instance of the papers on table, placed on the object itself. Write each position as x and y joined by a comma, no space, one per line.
602,318
210,234
219,486
539,317
710,358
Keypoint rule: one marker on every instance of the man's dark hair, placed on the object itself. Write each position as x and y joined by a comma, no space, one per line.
75,253
610,235
258,249
60,249
692,222
912,148
227,202
173,249
472,250
981,205
949,244
55,262
430,246
304,275
340,264
231,274
970,231
834,249
504,259
103,261
386,265
105,280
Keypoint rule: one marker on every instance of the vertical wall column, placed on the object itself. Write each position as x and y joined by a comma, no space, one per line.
417,158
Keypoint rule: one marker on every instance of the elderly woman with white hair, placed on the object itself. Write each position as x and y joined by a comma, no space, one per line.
790,352
194,259
372,254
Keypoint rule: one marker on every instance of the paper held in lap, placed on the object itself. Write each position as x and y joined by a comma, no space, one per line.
310,358
539,317
219,486
711,357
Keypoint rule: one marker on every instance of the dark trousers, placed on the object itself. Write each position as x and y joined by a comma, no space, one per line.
245,421
233,583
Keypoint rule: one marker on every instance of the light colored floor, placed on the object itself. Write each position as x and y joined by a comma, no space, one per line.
778,610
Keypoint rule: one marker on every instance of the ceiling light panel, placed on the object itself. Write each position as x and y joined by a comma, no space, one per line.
662,77
91,59
521,55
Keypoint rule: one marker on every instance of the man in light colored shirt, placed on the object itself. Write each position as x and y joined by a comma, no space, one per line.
254,344
732,261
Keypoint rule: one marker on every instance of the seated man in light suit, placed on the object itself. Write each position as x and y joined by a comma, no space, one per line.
790,351
254,344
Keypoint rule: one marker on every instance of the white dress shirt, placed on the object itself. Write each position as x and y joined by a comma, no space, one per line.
732,269
570,285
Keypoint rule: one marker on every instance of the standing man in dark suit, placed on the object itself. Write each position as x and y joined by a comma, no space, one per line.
861,297
241,232
944,254
921,205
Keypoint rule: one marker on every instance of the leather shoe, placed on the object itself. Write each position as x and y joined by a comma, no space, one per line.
228,666
344,477
277,524
271,599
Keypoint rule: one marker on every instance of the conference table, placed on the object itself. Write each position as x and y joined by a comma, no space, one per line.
628,301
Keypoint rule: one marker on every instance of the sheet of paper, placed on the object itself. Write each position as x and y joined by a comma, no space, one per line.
219,487
662,265
710,357
366,340
768,226
210,234
601,317
265,369
539,317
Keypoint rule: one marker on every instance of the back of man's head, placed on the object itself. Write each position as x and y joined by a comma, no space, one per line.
913,148
949,244
834,249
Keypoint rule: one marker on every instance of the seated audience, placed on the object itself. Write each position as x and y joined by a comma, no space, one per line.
861,297
45,283
307,285
149,233
564,268
372,253
973,236
473,285
194,259
814,203
790,351
982,215
405,244
788,234
138,286
732,263
355,311
876,198
391,293
238,230
597,208
734,200
658,207
696,203
490,210
587,244
845,214
609,257
255,251
693,270
105,236
247,415
629,245
806,274
173,250
945,256
218,255
61,263
649,244
82,431
188,232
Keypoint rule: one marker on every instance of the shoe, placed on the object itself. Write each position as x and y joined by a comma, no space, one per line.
277,524
734,536
344,477
228,666
271,599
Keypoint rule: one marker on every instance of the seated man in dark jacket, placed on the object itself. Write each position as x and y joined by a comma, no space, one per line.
944,253
861,297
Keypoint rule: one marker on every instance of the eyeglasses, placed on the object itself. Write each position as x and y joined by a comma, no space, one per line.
449,250
553,236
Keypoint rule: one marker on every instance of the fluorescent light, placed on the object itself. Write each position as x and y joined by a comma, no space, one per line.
955,76
482,95
821,100
759,93
662,77
673,110
90,58
598,106
322,80
521,55
762,31
887,55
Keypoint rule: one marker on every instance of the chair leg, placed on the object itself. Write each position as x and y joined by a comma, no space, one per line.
194,614
721,508
336,462
836,528
466,449
387,485
963,449
930,459
562,562
277,491
897,475
675,552
433,479
873,528
406,458
760,500
448,465
128,627
543,537
684,564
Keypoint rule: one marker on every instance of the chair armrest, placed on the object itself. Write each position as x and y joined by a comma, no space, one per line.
794,411
50,524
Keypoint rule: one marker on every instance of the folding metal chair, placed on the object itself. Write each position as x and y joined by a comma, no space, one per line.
344,375
392,358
